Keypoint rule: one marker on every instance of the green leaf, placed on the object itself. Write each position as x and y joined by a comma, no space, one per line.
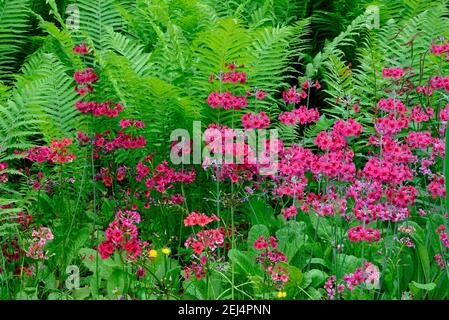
313,293
55,296
318,277
294,283
321,226
347,263
116,283
291,238
427,286
105,266
82,293
259,212
244,264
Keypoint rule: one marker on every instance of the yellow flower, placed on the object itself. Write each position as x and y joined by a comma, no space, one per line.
281,294
166,251
153,253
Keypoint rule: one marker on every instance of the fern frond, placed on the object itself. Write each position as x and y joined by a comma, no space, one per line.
14,23
131,50
96,16
47,92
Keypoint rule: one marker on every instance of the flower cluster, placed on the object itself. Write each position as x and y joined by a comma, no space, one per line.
226,143
200,219
269,257
359,233
291,96
336,140
391,104
12,251
107,108
3,175
122,234
425,90
226,101
391,125
255,121
40,238
438,49
125,123
440,261
81,49
419,140
291,211
204,243
24,219
56,153
437,187
84,80
206,240
106,143
438,82
301,115
394,73
368,275
163,177
233,76
441,230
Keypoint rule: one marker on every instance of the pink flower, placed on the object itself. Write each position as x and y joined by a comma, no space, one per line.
260,243
197,247
201,219
291,96
290,212
260,95
255,121
394,73
140,272
105,249
36,185
81,49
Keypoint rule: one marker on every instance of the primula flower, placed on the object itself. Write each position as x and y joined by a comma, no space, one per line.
301,115
292,97
226,101
359,233
255,121
122,234
438,49
439,260
57,153
289,212
441,230
86,76
260,243
40,238
3,176
260,95
394,73
437,187
201,219
81,49
105,249
140,272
